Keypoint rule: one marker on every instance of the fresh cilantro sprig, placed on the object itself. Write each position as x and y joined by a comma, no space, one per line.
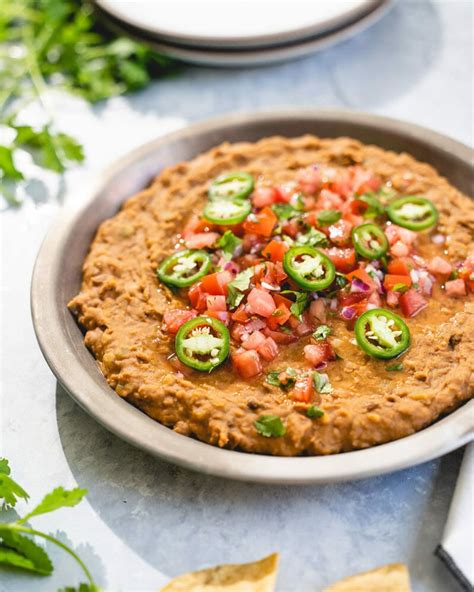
300,303
18,547
228,243
237,287
322,332
321,383
270,426
58,44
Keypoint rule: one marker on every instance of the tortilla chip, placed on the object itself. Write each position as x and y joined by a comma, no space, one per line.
388,578
259,576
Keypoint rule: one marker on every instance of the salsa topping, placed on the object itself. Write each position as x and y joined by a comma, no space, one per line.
271,265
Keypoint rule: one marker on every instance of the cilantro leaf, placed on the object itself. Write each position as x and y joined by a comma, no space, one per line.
313,238
374,205
58,498
394,367
322,332
228,242
81,588
7,166
21,551
321,383
273,378
10,491
300,303
328,217
314,412
285,211
270,426
237,287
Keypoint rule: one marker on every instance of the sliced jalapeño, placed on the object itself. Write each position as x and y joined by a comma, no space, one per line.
382,334
202,343
310,268
237,185
369,241
413,212
184,268
227,212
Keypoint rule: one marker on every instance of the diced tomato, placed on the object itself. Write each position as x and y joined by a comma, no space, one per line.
340,233
455,288
309,179
268,349
201,240
174,318
343,259
265,196
440,267
280,336
303,390
255,325
216,283
260,302
180,367
396,233
317,353
390,281
393,298
196,225
275,250
400,266
291,227
254,340
349,299
197,296
364,181
216,303
279,299
468,276
362,275
279,316
412,303
221,315
302,327
240,314
317,311
356,206
399,249
247,363
238,331
329,200
252,242
249,260
264,223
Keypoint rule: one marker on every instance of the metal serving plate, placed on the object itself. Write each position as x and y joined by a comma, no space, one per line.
57,277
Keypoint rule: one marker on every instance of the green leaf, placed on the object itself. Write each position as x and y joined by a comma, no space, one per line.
237,287
313,238
81,588
285,211
273,378
135,75
4,466
7,166
322,332
375,207
58,498
270,426
400,288
314,412
21,551
321,383
299,305
71,150
10,491
228,243
327,217
394,367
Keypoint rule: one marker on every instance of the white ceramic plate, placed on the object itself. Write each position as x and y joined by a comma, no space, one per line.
259,56
234,23
58,272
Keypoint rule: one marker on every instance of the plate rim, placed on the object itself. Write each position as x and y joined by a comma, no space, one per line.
136,428
238,41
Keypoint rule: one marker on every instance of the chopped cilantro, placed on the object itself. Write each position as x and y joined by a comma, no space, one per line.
314,412
394,367
285,211
400,288
375,207
300,303
313,238
270,426
237,287
454,274
228,242
273,378
322,332
327,217
321,383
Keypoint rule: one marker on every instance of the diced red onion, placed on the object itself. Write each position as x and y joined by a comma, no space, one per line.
370,306
348,313
270,287
232,267
333,304
420,262
415,276
358,285
255,325
321,366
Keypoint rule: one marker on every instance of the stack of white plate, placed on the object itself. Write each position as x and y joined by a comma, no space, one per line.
241,33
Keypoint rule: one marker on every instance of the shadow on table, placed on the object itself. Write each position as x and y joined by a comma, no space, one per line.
372,69
178,520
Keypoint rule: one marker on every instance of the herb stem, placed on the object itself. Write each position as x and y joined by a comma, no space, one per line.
31,531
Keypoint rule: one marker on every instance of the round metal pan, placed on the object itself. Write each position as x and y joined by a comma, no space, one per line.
57,277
